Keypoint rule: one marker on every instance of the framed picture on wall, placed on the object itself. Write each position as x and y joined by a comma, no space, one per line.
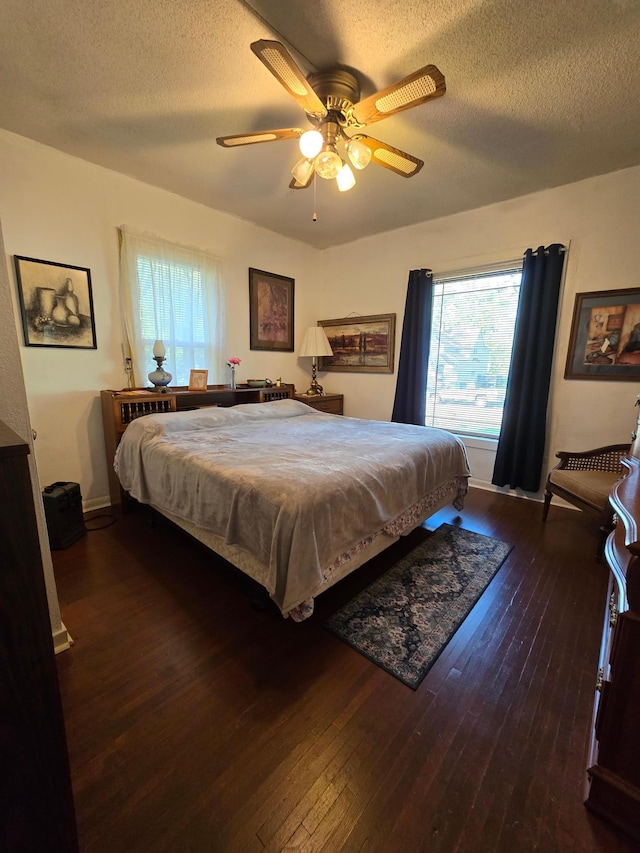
56,304
271,303
605,336
360,344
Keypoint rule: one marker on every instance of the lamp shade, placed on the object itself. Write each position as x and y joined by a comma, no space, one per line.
310,143
302,171
358,153
315,342
159,350
328,162
345,178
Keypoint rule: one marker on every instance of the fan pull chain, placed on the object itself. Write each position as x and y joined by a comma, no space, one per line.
315,215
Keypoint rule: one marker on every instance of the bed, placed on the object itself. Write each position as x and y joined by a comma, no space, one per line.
294,497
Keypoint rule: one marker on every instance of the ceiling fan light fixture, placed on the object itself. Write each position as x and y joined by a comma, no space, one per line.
358,153
331,100
311,144
302,171
328,162
345,178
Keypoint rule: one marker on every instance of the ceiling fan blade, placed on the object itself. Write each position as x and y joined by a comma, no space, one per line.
259,136
281,64
392,158
294,185
421,86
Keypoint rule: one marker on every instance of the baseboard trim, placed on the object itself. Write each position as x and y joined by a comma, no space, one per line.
518,493
96,503
62,640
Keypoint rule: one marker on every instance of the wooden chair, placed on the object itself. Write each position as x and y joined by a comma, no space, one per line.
585,480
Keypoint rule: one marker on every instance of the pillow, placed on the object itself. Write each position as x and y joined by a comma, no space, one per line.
216,417
274,409
208,417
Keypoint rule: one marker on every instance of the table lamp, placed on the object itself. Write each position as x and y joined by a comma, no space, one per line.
315,343
159,377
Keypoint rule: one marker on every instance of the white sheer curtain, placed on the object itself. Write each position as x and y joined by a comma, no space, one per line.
174,294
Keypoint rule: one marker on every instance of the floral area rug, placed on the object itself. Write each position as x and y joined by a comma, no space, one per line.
407,616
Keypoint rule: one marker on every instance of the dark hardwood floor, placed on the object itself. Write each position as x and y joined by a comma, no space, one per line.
197,722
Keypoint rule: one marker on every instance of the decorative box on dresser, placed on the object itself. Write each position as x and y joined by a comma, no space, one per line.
613,789
332,403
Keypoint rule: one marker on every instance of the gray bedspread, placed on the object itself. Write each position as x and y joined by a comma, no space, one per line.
293,486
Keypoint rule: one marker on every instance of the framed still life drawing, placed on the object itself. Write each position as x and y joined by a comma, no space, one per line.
360,344
605,336
271,302
56,304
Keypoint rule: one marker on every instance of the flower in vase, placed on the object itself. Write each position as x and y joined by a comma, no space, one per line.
233,362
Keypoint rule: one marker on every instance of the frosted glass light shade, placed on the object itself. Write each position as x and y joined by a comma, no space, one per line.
358,153
345,179
310,143
159,350
302,171
315,342
328,163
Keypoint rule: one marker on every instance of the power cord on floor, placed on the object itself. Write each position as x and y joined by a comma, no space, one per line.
112,520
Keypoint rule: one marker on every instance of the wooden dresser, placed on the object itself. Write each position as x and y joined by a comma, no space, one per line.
613,790
36,800
120,408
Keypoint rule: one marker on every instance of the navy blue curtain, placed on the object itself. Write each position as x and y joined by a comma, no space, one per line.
409,406
521,443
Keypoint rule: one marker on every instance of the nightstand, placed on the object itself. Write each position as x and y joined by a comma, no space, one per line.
332,403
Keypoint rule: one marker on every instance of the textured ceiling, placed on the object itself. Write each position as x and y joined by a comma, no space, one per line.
539,94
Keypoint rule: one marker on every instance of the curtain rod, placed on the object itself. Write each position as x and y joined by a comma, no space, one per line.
562,250
498,266
479,269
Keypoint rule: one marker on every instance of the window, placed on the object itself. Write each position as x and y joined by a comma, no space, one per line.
174,294
473,321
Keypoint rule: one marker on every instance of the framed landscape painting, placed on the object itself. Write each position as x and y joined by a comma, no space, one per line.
605,336
271,303
360,344
56,304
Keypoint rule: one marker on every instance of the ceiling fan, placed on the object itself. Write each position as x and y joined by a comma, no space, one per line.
331,101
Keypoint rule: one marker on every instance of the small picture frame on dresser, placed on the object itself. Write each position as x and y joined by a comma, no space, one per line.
198,380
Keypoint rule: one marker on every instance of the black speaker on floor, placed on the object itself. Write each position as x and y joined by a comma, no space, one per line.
63,509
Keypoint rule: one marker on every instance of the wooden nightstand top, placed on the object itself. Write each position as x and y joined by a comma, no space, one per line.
332,403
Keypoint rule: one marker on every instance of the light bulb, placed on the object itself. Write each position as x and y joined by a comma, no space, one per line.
358,153
302,171
328,162
345,179
310,143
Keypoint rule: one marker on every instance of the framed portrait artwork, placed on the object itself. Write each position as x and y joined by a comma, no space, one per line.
360,344
605,336
56,304
198,380
271,303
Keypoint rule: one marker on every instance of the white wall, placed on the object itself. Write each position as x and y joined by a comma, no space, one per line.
14,412
57,208
599,219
